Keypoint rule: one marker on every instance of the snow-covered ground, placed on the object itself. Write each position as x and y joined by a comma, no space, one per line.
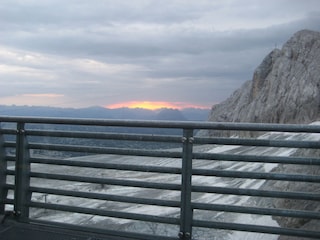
125,224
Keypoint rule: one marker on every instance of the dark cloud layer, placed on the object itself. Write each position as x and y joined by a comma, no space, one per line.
82,53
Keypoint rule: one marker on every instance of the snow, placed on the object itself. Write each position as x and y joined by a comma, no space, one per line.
249,219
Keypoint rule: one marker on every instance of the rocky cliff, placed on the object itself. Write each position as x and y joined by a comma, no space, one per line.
284,88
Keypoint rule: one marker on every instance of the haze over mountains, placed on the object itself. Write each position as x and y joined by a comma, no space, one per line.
187,114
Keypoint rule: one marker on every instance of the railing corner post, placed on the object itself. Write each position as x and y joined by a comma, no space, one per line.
186,214
22,178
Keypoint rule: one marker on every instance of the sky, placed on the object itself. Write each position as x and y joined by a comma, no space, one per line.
120,53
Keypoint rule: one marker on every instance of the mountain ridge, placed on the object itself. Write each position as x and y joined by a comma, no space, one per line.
284,87
187,114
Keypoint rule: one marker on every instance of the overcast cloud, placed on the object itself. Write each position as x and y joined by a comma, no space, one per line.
80,53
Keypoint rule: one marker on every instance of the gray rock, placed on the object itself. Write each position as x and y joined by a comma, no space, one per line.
284,88
300,223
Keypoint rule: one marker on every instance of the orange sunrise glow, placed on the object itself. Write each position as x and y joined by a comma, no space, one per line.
153,105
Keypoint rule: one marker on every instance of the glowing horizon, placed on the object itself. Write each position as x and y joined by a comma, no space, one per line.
154,105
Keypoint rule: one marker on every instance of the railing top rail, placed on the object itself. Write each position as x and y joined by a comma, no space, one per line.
243,126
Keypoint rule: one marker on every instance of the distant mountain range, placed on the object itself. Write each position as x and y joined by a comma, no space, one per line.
187,114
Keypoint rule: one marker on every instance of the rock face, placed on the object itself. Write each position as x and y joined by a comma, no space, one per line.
304,205
284,88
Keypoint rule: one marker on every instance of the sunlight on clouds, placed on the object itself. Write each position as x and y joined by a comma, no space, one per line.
35,99
153,105
94,66
25,72
18,57
26,62
43,95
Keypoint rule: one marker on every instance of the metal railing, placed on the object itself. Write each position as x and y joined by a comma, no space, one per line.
142,179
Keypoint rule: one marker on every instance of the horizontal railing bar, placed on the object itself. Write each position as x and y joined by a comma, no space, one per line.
8,201
8,131
108,181
106,197
10,172
9,158
113,166
9,186
106,213
106,232
256,175
169,124
169,138
255,158
9,144
258,142
106,150
256,210
256,228
257,193
106,136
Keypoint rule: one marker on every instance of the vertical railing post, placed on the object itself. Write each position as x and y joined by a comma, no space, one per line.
22,177
3,176
186,213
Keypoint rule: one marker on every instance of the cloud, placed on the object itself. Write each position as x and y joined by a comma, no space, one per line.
46,99
43,95
104,52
